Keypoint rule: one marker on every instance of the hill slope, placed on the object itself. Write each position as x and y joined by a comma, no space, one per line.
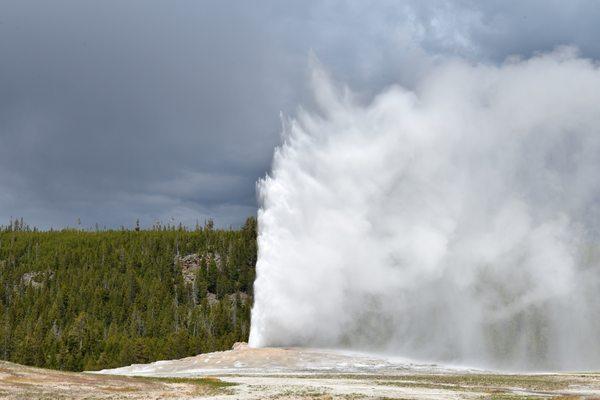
76,300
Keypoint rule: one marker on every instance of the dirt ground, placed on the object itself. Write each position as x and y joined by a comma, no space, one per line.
21,382
245,373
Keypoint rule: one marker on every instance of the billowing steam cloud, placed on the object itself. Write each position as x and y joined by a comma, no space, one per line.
457,222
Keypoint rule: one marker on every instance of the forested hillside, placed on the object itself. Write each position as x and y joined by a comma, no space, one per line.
82,300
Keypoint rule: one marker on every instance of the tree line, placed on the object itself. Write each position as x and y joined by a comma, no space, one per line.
84,300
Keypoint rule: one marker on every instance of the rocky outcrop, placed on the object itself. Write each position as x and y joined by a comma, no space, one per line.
191,263
36,279
240,346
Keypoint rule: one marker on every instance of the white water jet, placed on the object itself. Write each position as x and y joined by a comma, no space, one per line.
457,222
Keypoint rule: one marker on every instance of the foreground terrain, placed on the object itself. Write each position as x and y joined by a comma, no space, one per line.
244,373
21,382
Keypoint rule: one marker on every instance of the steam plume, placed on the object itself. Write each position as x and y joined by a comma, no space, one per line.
457,222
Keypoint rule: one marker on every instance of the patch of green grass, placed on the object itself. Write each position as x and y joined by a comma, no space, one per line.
205,386
207,381
119,389
510,396
427,385
483,381
303,392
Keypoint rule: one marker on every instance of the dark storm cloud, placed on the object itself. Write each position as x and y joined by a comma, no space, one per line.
112,111
106,107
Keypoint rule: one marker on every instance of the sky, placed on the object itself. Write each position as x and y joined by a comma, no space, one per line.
169,111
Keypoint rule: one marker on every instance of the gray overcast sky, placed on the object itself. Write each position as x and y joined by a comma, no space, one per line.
116,110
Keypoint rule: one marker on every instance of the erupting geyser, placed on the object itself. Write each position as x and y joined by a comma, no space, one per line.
458,222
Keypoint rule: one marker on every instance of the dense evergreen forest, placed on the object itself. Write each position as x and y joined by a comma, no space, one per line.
83,300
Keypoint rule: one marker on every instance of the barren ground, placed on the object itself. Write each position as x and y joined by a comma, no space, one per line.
245,373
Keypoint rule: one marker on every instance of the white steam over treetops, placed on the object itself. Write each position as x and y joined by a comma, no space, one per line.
455,223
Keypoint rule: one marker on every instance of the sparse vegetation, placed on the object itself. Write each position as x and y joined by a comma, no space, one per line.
482,381
209,381
21,382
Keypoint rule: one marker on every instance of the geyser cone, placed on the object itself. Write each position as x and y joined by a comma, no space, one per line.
456,223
